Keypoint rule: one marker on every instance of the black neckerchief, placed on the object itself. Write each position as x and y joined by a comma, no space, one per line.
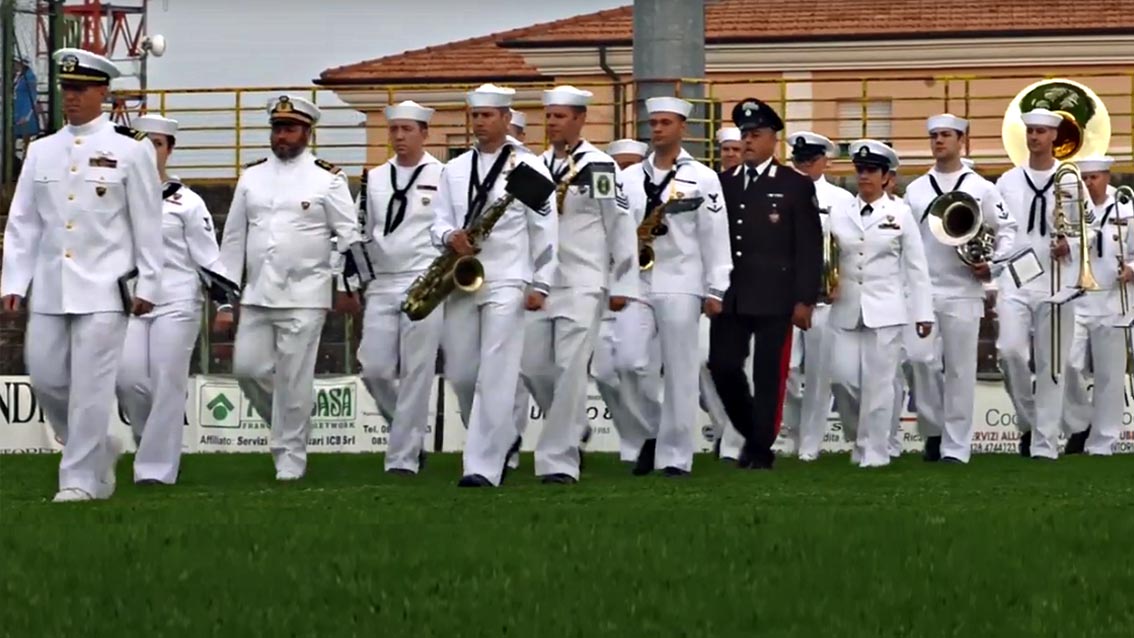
170,189
478,190
396,207
1102,225
655,193
574,154
937,189
751,179
1038,197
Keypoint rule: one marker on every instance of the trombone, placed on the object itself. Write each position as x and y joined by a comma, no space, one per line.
1086,281
1124,195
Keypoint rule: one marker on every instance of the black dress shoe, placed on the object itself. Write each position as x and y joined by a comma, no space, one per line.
1026,444
401,471
674,472
149,482
645,463
745,460
474,480
952,461
932,452
1077,442
558,479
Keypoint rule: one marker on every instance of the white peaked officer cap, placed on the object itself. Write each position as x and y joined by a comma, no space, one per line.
1094,164
490,96
409,110
292,108
1042,117
969,163
519,120
873,153
728,134
806,144
77,66
155,124
946,121
567,96
669,105
628,147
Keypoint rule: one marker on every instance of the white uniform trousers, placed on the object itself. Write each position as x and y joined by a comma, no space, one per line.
482,362
521,414
558,341
635,356
944,373
903,381
1025,319
607,379
722,429
1096,346
399,363
676,317
153,380
808,399
862,379
274,361
72,361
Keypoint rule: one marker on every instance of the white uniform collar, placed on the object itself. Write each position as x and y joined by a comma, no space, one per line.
821,181
876,204
683,157
90,127
584,147
427,158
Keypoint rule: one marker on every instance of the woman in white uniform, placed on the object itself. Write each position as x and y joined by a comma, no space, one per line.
881,257
153,375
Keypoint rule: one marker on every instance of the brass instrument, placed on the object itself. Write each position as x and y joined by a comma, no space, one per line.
451,271
955,220
1124,195
1064,228
830,281
564,184
653,225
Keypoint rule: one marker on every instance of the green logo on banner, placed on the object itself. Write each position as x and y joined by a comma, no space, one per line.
220,406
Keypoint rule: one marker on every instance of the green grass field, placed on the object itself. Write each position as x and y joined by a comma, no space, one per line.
1003,547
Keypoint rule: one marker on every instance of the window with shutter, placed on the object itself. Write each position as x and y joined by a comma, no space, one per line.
878,122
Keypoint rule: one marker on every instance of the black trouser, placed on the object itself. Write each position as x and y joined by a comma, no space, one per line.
755,414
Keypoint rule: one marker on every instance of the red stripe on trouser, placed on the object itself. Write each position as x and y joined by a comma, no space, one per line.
785,365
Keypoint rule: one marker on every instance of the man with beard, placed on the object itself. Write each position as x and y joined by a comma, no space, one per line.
277,238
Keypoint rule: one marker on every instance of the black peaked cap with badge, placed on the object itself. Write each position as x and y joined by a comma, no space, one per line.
751,113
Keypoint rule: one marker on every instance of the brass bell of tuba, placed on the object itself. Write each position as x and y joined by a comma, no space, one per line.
1085,131
955,220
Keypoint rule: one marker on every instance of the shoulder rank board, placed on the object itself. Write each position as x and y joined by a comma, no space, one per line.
327,166
256,162
129,132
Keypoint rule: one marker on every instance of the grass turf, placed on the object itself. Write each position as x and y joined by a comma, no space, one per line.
1003,547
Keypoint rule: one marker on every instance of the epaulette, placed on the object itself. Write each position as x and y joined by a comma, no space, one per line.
255,162
129,132
327,166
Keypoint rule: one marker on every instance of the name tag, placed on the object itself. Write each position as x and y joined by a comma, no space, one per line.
103,162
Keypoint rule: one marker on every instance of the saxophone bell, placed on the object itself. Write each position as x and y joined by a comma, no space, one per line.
645,257
660,230
468,274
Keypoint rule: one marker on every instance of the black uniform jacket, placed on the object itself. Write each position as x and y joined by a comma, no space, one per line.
777,241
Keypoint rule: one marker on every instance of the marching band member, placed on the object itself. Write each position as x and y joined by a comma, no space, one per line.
597,245
945,387
1094,420
284,213
881,257
1023,311
808,401
517,124
85,219
776,243
622,349
153,375
399,356
482,353
732,149
689,277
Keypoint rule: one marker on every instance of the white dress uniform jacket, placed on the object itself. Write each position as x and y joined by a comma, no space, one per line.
522,245
86,211
399,356
279,229
153,375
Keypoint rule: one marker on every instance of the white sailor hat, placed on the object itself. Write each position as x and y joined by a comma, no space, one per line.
292,108
873,153
1042,117
519,120
1094,164
968,162
806,145
409,110
566,96
77,66
155,124
490,96
728,134
669,105
628,147
946,121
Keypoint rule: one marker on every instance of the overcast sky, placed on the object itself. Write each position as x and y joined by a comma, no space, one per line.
289,42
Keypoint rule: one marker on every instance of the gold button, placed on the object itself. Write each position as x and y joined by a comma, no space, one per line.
70,225
71,197
67,254
74,169
78,141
